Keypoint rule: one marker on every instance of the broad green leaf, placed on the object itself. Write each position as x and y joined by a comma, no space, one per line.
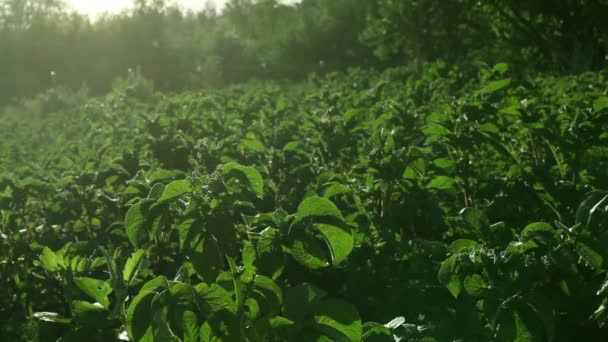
51,261
278,322
339,320
523,332
160,323
544,309
156,284
444,163
182,295
600,103
206,333
335,189
132,265
191,327
495,86
449,277
156,192
96,289
185,231
315,206
517,247
299,301
442,183
207,259
373,328
292,146
475,285
306,251
475,219
435,130
214,298
461,244
538,231
501,68
139,315
254,145
269,290
256,182
270,256
134,222
175,190
586,250
339,241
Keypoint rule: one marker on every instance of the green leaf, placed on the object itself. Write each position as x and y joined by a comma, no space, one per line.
269,290
270,256
299,301
489,128
82,307
307,252
338,320
444,163
501,68
139,316
52,317
523,332
207,334
214,298
517,247
96,289
156,192
316,206
448,275
51,261
132,265
134,222
207,259
256,182
586,249
156,284
435,130
539,232
461,244
475,285
279,322
175,190
442,183
475,219
589,207
335,189
373,328
600,103
292,146
339,241
254,145
191,327
543,307
495,86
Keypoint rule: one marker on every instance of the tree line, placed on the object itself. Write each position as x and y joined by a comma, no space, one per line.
44,43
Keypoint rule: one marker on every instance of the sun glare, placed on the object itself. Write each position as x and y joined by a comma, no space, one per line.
95,8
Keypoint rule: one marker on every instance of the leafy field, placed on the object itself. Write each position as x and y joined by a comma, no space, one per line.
458,205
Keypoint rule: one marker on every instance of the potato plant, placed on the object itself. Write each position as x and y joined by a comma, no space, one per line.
434,205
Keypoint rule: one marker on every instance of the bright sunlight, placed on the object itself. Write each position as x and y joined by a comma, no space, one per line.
96,8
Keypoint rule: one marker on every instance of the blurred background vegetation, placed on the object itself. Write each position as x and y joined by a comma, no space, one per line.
44,44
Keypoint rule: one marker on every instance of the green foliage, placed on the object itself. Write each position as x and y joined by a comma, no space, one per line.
422,206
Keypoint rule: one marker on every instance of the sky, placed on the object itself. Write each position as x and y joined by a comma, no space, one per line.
94,8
